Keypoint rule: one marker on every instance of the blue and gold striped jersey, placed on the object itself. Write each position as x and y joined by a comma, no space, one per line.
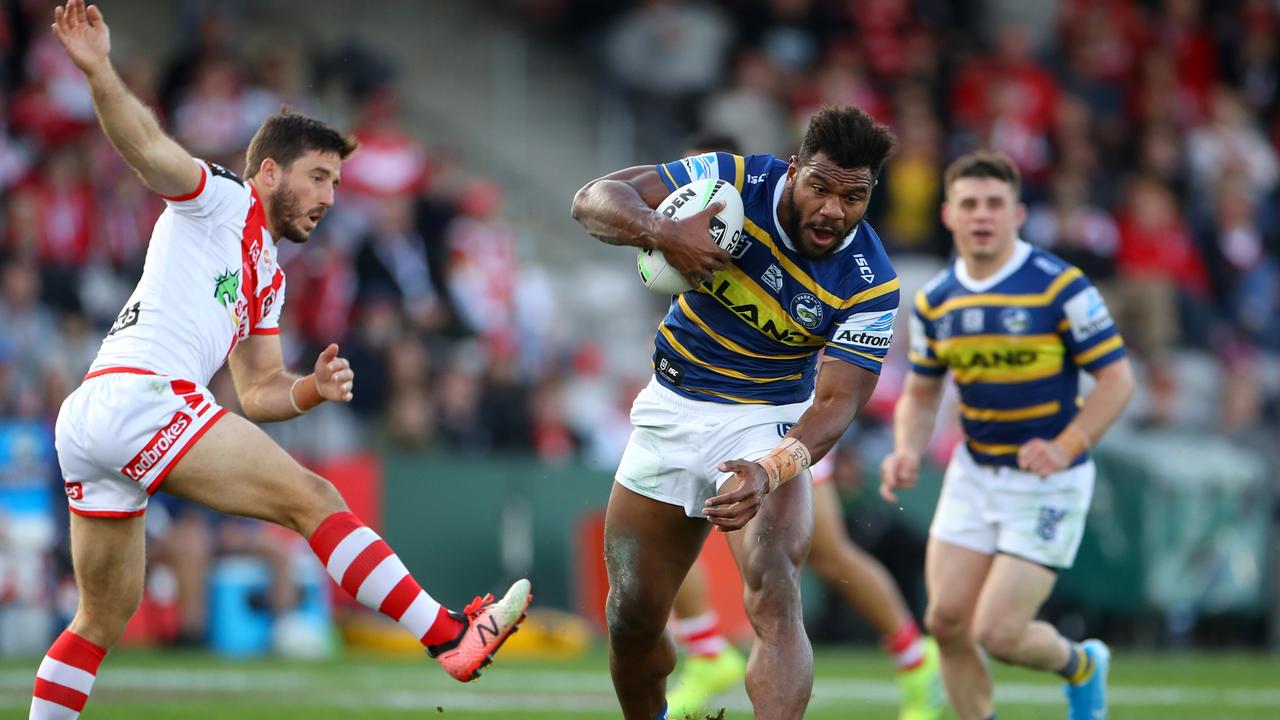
1014,343
753,334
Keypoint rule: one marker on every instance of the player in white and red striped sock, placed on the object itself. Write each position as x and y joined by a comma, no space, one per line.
700,636
65,678
906,646
364,565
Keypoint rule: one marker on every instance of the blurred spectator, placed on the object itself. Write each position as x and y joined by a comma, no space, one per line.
392,262
1241,254
911,187
211,119
482,267
391,162
1157,263
667,53
749,111
1072,227
1230,143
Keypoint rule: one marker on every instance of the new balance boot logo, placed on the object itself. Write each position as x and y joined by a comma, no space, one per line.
488,629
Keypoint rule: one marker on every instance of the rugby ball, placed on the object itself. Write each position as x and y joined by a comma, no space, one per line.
725,228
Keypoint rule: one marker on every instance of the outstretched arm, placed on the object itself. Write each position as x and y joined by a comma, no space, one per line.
913,420
132,128
618,209
269,393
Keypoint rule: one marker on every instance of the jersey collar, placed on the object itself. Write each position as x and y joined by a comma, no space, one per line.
1021,251
777,200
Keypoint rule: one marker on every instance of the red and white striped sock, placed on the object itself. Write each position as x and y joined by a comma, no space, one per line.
65,678
700,635
359,561
907,646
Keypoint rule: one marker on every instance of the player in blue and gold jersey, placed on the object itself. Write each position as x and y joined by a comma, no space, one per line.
1014,326
739,392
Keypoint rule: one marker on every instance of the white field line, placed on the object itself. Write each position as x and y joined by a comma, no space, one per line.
573,691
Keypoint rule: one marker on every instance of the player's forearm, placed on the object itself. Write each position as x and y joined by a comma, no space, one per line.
613,212
1106,401
281,397
913,421
136,134
821,426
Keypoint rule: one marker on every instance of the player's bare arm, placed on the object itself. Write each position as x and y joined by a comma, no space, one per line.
1114,388
619,209
270,393
162,164
841,391
913,420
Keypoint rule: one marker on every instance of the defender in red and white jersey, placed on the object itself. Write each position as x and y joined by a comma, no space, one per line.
144,420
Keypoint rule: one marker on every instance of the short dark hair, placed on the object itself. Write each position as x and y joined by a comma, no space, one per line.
983,164
849,137
286,136
713,141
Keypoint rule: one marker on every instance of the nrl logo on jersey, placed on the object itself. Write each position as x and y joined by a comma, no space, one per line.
806,308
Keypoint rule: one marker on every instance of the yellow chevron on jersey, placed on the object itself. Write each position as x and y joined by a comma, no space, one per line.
872,293
727,372
1000,358
1014,343
1029,412
1001,300
1099,350
738,292
726,342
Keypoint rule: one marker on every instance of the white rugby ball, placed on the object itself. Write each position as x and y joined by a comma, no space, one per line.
725,228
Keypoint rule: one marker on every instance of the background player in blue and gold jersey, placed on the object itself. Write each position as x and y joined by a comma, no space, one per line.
1014,325
738,394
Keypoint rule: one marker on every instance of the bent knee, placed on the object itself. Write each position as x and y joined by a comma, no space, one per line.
102,620
309,500
946,624
633,617
1000,641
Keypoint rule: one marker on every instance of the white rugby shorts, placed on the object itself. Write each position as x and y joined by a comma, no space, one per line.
121,432
678,442
1000,509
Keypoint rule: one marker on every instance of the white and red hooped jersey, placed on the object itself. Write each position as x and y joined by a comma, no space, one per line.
211,278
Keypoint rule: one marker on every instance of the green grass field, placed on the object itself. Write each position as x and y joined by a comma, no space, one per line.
850,684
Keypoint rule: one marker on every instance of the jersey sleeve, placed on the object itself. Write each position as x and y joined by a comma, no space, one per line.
713,165
219,192
1087,330
924,360
272,304
861,335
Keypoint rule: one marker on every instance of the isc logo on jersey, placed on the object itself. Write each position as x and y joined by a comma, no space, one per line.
869,329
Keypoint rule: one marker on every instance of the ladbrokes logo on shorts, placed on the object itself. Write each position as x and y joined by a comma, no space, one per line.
160,445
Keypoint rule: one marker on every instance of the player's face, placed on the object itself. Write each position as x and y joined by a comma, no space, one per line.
984,216
825,202
305,193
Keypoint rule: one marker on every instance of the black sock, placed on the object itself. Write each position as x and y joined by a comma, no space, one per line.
1079,664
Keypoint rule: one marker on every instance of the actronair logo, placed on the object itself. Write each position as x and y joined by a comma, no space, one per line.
159,446
872,330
